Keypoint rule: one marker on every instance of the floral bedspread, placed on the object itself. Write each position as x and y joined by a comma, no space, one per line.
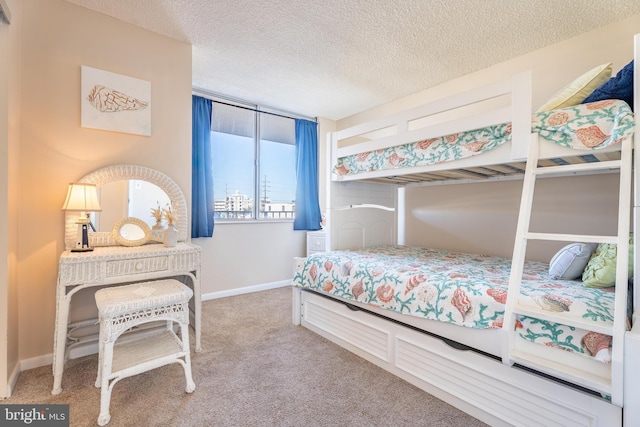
585,126
465,289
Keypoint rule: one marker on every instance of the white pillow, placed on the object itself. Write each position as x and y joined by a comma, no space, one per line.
569,262
576,91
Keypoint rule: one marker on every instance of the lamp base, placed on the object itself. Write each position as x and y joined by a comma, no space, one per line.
82,237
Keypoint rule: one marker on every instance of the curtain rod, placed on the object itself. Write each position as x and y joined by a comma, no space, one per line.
202,92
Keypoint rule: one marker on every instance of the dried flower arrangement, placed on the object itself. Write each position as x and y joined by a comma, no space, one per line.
169,215
157,213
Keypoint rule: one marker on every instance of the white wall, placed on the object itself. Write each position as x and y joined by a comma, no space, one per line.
247,255
482,217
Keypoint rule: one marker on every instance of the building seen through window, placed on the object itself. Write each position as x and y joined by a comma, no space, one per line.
253,164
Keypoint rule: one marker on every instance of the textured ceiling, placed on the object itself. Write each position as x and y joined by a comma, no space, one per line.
334,58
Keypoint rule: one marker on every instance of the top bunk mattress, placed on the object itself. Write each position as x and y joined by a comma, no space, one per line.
589,126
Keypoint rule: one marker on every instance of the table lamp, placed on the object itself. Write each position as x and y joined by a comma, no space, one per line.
84,199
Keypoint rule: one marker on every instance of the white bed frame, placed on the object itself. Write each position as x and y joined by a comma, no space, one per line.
484,383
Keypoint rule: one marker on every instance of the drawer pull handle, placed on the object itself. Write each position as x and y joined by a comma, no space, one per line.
352,307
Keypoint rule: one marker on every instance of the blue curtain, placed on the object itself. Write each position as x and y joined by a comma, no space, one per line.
201,174
308,214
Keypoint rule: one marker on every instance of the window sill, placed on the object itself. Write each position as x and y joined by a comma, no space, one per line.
252,221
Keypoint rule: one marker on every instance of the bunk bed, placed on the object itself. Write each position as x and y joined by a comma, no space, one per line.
468,328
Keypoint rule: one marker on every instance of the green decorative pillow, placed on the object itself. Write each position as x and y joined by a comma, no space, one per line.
601,269
576,92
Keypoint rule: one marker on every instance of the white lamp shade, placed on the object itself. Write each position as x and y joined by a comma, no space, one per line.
82,197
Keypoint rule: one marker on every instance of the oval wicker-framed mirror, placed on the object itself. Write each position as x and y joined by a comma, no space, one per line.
131,231
121,172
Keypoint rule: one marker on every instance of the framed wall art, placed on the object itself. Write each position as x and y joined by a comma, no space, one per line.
115,102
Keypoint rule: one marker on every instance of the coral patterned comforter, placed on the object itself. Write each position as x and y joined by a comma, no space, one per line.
465,289
586,126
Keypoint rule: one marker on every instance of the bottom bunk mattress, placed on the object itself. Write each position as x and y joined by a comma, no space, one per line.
468,290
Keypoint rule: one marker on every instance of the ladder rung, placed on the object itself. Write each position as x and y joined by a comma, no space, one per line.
568,373
564,319
584,238
578,167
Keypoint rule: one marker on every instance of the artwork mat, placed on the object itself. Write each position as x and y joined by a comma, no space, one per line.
128,121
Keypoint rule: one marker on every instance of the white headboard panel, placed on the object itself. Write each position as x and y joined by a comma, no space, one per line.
357,235
349,236
359,193
358,227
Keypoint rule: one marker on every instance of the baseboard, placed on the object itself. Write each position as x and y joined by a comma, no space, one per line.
36,362
83,350
245,290
11,381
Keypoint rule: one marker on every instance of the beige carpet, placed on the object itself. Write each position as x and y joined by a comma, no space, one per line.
256,369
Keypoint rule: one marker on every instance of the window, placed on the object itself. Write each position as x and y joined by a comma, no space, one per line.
253,164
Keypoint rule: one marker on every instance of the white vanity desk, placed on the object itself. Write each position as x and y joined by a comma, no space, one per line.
111,264
115,265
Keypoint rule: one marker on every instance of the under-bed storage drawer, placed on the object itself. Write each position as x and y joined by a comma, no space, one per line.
333,320
477,384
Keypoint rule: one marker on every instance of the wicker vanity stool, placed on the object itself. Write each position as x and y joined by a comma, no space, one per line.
121,308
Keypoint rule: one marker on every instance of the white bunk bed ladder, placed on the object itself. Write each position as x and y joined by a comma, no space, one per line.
613,384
